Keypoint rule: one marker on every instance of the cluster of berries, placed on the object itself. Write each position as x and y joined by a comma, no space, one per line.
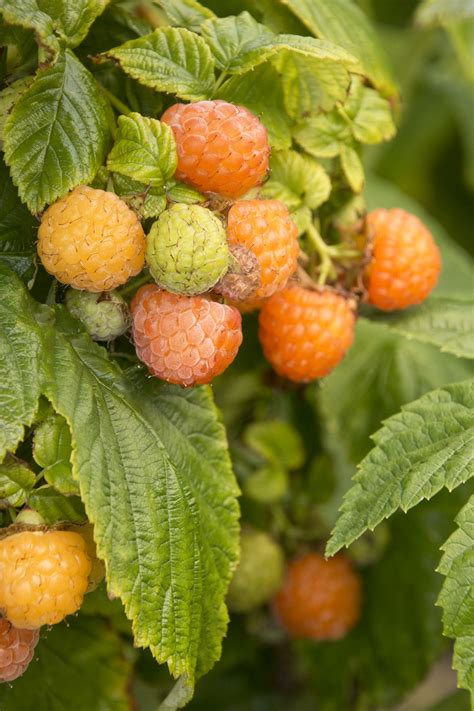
44,575
208,268
313,598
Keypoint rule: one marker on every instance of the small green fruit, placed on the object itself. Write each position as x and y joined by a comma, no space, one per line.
187,249
259,574
104,316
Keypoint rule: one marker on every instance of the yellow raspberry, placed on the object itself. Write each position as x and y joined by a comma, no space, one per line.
43,576
92,240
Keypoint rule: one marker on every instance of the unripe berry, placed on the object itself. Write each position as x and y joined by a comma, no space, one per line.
43,576
17,647
222,148
91,240
265,227
320,599
184,340
104,316
406,262
259,573
305,333
187,249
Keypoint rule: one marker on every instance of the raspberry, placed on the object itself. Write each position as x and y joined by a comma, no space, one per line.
320,599
187,249
43,576
91,240
222,148
259,573
104,316
16,650
243,278
305,333
406,262
184,340
265,227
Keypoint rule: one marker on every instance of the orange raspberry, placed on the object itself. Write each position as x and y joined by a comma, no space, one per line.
16,650
320,599
91,240
406,262
265,227
222,148
305,333
43,576
184,340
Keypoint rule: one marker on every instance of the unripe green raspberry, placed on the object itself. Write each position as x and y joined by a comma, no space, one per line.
104,316
187,249
259,574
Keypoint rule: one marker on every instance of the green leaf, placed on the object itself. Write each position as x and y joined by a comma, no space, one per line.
17,229
52,450
144,150
16,480
57,134
457,273
342,22
399,636
149,202
457,595
158,464
268,484
67,655
179,192
310,84
382,372
9,96
237,43
304,177
371,115
55,507
19,352
186,13
277,441
54,23
441,12
353,168
324,135
173,60
426,447
240,43
447,323
260,91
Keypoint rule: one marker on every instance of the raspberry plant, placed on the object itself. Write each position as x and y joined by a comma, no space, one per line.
168,167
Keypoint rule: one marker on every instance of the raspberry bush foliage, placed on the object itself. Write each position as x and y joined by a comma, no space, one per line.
230,346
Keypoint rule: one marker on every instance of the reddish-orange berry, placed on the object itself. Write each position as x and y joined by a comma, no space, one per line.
222,148
265,227
305,333
320,599
17,647
406,262
92,240
184,340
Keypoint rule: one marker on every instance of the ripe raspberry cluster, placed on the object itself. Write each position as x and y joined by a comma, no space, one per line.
242,252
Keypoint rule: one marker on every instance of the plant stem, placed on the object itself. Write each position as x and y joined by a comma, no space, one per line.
324,252
116,103
220,80
134,285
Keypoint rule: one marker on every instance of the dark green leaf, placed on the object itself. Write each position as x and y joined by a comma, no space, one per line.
17,229
57,134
